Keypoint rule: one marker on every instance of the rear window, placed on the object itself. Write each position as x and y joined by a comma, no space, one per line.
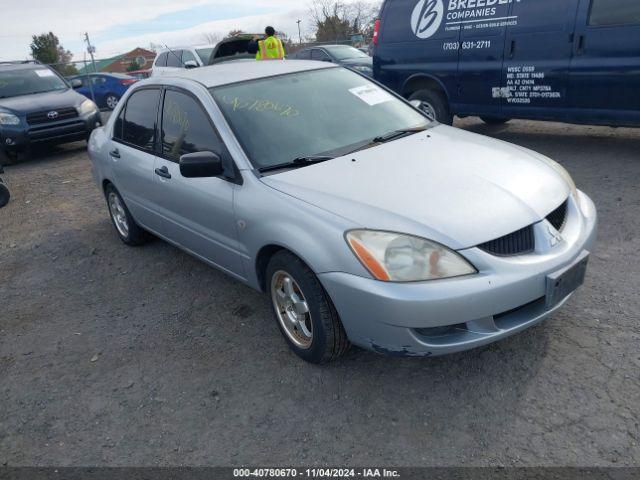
614,12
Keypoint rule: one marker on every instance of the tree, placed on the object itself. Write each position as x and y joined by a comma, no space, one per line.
234,33
133,66
211,38
46,48
335,20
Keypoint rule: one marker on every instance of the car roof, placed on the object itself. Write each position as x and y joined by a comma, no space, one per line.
185,47
234,72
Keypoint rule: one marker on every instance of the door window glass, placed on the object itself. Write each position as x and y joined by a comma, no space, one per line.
174,59
186,127
304,55
614,12
162,60
319,55
187,55
139,125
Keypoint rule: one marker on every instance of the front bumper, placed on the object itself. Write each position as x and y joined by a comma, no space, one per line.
452,315
20,137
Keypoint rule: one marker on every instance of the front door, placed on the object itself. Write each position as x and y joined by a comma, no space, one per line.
605,78
538,54
198,212
481,54
133,156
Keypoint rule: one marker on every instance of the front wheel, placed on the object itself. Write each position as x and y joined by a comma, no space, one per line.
303,310
433,104
5,195
111,101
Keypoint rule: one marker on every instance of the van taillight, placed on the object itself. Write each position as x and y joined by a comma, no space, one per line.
376,32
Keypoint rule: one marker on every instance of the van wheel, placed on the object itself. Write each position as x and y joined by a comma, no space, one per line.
126,227
303,310
494,120
434,104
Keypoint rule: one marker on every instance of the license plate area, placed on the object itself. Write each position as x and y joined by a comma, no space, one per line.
565,281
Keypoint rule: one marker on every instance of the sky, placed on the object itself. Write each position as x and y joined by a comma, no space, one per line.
118,26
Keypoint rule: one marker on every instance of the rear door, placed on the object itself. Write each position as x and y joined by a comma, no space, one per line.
481,53
539,47
198,211
605,71
133,155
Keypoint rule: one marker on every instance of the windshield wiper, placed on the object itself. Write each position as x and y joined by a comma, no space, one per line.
297,162
403,132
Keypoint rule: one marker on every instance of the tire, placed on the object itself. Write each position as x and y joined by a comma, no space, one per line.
327,340
5,195
7,158
111,101
126,227
434,104
494,120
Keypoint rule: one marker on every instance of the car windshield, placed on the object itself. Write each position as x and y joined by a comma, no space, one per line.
320,112
344,52
204,54
28,81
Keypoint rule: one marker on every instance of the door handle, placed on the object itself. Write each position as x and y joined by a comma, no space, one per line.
512,49
163,172
580,49
115,153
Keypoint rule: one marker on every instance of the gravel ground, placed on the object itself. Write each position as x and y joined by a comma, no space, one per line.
117,356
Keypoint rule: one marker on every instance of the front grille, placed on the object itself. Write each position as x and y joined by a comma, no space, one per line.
38,118
558,217
516,243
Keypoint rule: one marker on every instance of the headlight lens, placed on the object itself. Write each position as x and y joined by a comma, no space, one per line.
396,257
88,107
9,119
563,173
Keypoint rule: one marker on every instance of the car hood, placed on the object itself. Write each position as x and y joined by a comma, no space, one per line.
42,101
454,187
356,62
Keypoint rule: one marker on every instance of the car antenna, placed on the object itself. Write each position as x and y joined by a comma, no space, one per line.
175,55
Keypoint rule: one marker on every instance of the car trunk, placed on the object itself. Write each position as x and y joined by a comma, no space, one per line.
235,48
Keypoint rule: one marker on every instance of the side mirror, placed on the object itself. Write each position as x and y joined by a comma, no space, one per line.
76,83
189,64
201,165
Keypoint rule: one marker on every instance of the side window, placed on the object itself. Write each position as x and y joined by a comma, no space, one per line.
117,126
162,60
614,12
98,80
319,55
187,55
304,55
186,127
173,60
139,124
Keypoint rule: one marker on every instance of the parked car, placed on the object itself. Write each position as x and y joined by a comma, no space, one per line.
37,106
573,61
140,74
168,60
344,55
106,88
362,220
5,194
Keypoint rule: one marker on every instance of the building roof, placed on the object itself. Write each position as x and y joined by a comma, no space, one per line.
100,64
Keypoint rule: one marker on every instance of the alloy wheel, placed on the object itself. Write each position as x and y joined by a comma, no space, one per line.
292,309
118,214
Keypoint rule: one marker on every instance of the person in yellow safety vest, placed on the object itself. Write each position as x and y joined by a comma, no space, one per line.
271,48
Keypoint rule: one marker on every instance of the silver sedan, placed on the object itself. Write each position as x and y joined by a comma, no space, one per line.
363,221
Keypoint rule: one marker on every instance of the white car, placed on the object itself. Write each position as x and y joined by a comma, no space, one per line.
169,60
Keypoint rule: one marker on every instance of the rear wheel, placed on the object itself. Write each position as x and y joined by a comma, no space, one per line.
494,120
126,227
433,104
111,101
303,310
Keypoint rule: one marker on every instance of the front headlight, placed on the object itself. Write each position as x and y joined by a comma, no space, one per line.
396,257
87,107
9,119
563,173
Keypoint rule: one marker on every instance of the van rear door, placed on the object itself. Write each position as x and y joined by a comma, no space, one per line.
481,54
604,78
537,58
